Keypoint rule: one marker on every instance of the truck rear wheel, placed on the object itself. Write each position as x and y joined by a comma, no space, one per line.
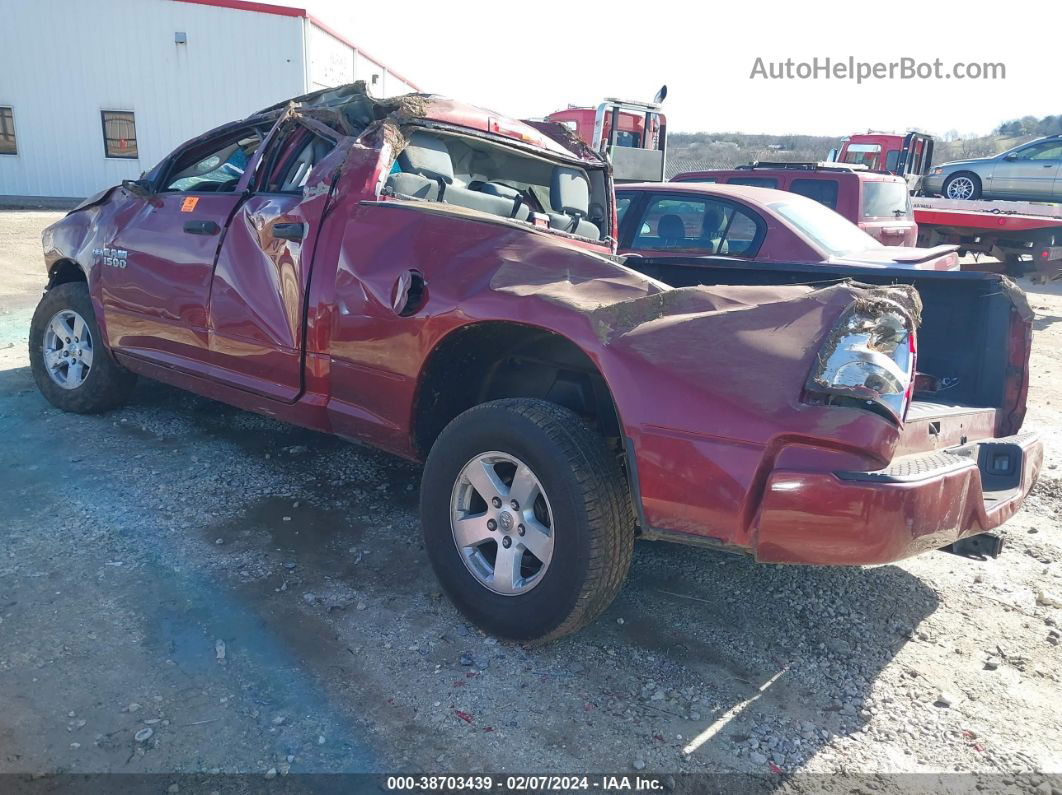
72,367
527,519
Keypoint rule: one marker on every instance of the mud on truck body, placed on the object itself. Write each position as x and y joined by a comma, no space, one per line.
438,281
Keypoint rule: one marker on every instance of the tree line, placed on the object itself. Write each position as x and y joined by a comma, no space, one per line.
689,151
1030,125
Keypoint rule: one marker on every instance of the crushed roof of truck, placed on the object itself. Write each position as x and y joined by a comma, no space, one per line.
352,110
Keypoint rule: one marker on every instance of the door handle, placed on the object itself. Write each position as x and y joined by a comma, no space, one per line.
289,231
201,227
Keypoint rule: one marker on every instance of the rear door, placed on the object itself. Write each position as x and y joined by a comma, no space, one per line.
257,307
1029,173
886,212
163,248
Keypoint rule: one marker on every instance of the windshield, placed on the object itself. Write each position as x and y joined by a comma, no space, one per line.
832,233
862,155
882,199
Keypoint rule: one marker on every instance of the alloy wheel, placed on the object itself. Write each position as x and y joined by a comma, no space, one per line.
961,188
502,523
68,349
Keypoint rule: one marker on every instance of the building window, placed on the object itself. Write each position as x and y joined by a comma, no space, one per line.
119,134
7,132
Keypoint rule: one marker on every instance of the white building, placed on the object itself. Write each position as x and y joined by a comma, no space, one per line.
96,91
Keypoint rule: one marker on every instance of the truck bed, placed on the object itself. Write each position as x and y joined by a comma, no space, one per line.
965,341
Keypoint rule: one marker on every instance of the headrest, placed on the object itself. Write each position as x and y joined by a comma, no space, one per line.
712,223
428,156
670,227
570,191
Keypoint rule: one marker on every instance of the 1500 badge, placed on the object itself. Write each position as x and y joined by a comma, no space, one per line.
114,257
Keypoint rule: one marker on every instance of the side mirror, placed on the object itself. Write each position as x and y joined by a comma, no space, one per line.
138,187
1011,158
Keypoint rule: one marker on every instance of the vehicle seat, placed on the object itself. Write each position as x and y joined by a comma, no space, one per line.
428,173
310,155
569,195
426,169
517,209
671,231
711,232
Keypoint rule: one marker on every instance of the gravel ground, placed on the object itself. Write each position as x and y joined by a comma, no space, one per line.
185,587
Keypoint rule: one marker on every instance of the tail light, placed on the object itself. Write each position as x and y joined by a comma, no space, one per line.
868,360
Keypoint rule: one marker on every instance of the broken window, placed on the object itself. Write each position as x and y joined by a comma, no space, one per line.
214,167
494,179
119,134
7,132
289,161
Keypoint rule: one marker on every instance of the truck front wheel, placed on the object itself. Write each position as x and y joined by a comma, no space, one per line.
72,368
527,519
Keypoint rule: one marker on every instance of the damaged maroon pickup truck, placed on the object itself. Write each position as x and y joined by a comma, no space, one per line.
440,282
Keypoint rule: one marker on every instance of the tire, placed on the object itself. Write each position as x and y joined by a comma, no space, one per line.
1015,267
966,186
583,497
104,384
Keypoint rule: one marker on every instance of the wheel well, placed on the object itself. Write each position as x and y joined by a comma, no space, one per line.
493,360
64,271
964,174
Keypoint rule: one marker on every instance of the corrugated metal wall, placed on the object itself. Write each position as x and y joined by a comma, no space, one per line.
334,61
63,61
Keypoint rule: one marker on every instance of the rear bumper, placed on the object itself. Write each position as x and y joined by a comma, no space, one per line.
921,502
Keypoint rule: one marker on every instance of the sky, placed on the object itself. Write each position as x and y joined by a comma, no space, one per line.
526,59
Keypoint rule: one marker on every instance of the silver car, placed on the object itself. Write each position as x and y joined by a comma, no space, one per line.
1032,172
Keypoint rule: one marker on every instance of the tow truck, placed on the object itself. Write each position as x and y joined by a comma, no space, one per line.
632,135
1024,237
909,155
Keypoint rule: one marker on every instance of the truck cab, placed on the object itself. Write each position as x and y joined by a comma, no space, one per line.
909,156
632,135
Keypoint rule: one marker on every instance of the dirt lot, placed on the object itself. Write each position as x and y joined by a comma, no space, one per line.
186,587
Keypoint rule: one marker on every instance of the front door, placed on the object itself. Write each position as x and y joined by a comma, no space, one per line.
162,251
1029,173
257,311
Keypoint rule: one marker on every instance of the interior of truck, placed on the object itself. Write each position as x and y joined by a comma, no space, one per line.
216,166
480,175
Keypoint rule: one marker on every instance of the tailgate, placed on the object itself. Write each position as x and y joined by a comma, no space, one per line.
933,425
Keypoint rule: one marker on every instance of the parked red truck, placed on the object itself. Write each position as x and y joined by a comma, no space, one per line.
879,204
439,281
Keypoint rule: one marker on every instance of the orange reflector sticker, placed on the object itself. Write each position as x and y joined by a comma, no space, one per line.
189,204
